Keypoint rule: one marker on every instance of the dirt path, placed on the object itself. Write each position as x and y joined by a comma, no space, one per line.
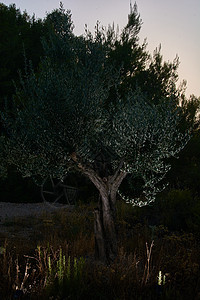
21,219
10,210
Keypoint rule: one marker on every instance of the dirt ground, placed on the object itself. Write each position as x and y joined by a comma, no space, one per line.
21,220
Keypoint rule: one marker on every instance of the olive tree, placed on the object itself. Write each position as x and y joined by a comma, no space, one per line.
63,121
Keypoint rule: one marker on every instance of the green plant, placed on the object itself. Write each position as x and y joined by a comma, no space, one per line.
61,275
161,278
2,250
58,269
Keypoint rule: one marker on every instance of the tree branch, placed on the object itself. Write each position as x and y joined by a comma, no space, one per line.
93,176
113,178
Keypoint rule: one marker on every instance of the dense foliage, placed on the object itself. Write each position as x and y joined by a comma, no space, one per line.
124,51
156,81
20,37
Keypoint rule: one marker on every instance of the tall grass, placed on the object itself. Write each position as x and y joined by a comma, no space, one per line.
153,263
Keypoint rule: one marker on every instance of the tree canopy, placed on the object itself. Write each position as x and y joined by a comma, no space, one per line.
89,109
65,112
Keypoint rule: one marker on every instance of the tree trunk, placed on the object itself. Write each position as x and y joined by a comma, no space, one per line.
104,229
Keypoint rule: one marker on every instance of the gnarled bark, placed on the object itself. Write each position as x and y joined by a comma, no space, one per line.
104,226
105,232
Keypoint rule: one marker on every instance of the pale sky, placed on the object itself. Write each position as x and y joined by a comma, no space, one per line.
175,24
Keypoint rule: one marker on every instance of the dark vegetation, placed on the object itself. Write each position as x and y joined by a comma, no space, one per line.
58,260
162,237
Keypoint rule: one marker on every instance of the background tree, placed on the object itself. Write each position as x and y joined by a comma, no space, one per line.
20,37
20,42
156,78
185,171
65,123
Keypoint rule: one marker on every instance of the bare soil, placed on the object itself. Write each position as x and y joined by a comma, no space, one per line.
21,220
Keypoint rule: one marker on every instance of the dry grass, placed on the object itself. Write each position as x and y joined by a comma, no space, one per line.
46,264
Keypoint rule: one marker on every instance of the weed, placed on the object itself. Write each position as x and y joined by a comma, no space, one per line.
59,263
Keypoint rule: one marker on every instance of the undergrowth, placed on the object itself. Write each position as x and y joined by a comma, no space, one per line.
57,262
